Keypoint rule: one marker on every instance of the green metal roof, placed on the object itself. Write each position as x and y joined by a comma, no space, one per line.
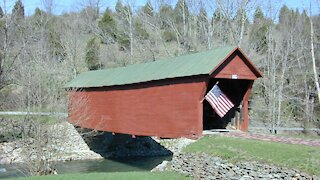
181,66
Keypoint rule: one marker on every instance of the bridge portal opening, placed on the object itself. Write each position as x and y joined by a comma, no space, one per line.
235,89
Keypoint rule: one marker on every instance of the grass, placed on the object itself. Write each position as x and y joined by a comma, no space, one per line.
301,157
116,175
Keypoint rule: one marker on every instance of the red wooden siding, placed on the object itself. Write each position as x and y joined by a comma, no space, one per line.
236,66
167,108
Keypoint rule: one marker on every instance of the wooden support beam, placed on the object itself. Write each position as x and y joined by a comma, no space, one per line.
245,123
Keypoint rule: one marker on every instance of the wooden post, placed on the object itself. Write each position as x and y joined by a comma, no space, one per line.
245,124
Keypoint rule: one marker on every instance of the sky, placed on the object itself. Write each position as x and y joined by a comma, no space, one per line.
62,6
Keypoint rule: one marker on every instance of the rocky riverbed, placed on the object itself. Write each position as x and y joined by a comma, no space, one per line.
203,166
68,143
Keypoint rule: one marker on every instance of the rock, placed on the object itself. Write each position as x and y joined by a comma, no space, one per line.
3,170
161,167
204,166
246,177
68,144
5,160
174,145
7,148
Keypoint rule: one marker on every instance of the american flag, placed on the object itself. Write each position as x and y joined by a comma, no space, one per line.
219,101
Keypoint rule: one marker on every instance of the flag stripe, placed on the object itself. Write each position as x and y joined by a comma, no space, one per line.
209,99
219,101
226,101
221,107
213,105
218,107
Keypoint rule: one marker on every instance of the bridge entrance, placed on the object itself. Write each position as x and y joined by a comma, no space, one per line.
236,91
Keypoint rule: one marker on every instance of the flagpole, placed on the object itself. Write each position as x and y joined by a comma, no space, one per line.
205,96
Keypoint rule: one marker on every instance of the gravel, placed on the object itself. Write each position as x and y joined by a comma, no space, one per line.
204,166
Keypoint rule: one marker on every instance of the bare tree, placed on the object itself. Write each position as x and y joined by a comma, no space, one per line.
314,67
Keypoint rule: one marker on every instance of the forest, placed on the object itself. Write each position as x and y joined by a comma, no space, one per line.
40,53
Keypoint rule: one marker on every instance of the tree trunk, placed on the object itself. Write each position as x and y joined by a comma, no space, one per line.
242,28
316,80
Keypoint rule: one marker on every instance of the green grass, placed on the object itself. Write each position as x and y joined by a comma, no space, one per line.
300,157
116,175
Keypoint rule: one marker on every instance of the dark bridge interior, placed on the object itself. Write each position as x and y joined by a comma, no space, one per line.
235,91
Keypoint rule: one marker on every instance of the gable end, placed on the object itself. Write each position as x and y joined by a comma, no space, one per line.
236,66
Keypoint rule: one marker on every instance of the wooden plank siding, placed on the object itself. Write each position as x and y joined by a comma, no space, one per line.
167,108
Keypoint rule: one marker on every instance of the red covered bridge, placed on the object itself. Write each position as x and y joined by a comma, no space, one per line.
164,98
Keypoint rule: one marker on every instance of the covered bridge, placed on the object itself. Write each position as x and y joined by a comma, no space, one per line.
164,98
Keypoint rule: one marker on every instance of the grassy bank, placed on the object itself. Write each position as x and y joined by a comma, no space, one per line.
235,149
105,176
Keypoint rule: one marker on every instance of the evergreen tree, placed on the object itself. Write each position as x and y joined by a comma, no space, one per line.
124,40
38,18
119,7
306,22
127,11
219,23
166,12
92,54
107,25
258,34
258,16
1,13
181,12
148,9
240,16
2,23
38,12
140,30
203,24
125,18
17,18
56,48
287,19
18,10
203,17
284,14
304,14
217,16
296,14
